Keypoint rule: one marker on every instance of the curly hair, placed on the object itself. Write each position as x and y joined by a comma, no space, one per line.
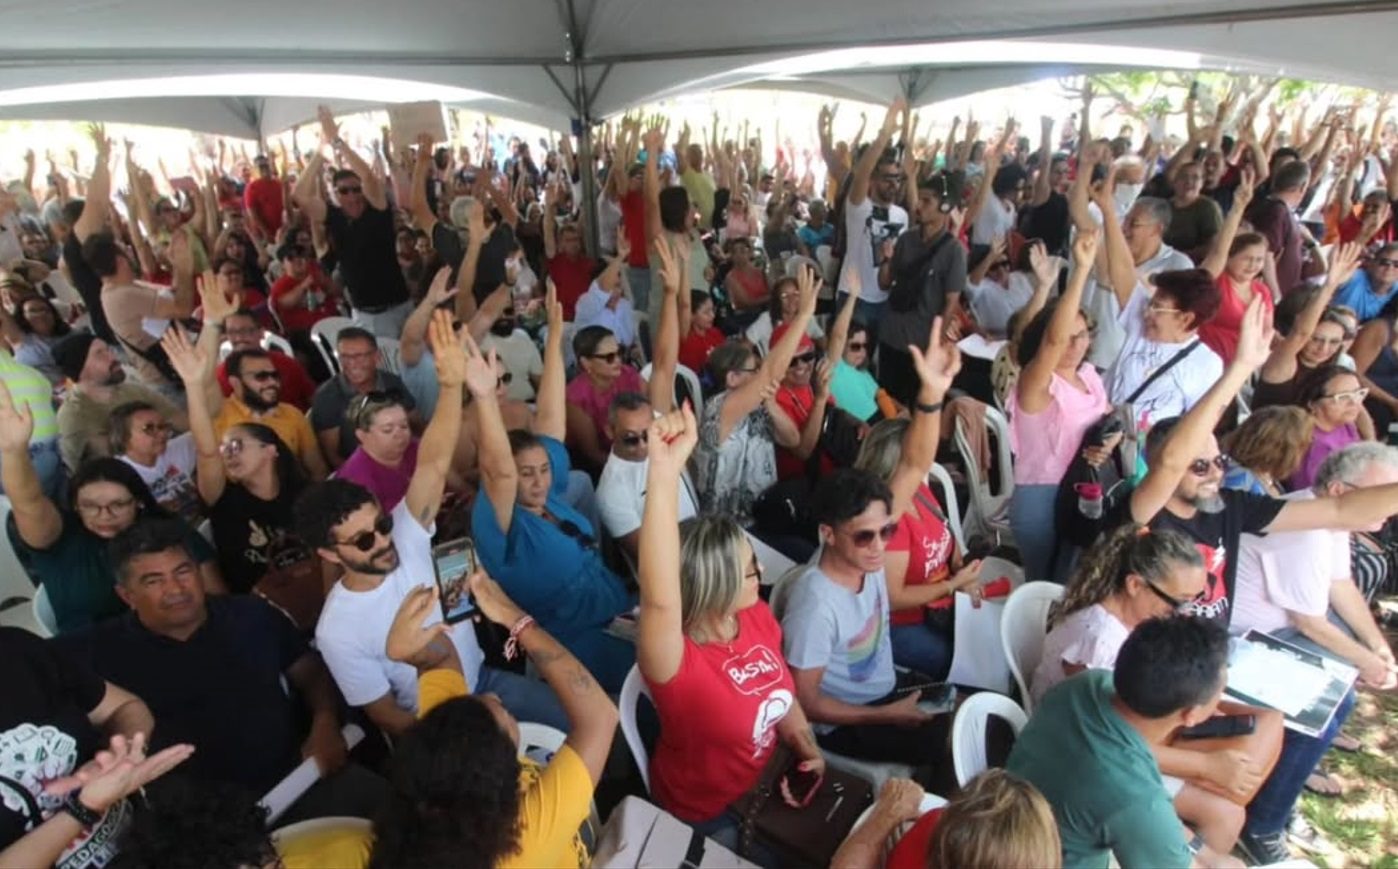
188,824
1272,440
322,506
1130,549
453,792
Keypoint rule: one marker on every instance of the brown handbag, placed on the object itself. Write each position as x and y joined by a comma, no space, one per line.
806,836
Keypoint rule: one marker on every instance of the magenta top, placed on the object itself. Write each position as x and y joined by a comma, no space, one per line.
389,485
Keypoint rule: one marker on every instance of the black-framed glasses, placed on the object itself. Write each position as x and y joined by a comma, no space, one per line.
1175,603
1200,467
365,540
635,439
754,570
1385,262
573,532
111,508
608,358
866,536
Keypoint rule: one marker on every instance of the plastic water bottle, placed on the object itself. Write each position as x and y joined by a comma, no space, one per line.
1089,499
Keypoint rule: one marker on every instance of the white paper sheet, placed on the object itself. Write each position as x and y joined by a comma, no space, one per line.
407,120
978,660
977,346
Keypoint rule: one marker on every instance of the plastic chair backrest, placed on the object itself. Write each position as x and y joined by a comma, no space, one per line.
630,699
43,612
391,355
1023,626
273,341
968,731
941,478
539,736
295,784
696,392
323,335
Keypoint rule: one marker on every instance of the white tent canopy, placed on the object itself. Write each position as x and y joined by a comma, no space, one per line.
549,61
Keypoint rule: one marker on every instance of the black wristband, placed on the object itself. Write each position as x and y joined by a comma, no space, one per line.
88,818
927,408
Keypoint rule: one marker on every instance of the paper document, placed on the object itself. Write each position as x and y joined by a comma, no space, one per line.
1304,686
977,346
407,120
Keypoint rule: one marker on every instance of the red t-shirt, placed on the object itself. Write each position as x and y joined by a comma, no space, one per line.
263,197
696,347
299,317
297,386
928,543
798,403
572,275
718,718
633,217
910,851
1221,333
1352,224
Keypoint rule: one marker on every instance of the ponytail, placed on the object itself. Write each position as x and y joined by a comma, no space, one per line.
1129,549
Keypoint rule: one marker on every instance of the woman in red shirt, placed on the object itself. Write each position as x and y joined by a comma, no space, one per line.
1237,262
706,644
701,336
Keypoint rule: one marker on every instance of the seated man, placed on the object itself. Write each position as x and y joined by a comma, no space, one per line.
244,333
1088,746
519,353
836,634
99,386
622,487
385,556
1373,286
257,391
358,352
212,669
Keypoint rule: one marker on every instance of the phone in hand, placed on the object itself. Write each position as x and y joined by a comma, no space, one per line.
802,784
1221,726
454,562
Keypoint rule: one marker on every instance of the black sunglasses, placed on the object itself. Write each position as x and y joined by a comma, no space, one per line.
1175,603
265,376
505,379
632,439
344,191
608,358
364,540
804,359
1200,467
856,346
866,537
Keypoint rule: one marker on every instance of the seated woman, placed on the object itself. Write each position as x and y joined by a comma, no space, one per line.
997,821
1335,399
387,454
542,551
1057,397
1267,449
746,284
1127,577
141,437
31,333
699,612
604,374
699,335
785,300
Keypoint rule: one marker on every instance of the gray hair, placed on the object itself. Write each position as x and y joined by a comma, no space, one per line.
711,568
1155,208
882,448
1347,464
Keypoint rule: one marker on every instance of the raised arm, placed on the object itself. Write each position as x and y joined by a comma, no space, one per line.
839,328
1046,269
1218,256
414,338
864,169
665,357
98,200
745,399
424,495
422,214
1281,364
936,366
1191,435
993,157
36,517
368,178
551,400
306,193
655,142
660,629
1121,268
193,364
1041,180
1033,385
550,220
476,235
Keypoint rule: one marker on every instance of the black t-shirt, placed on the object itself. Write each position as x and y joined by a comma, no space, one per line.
490,268
367,252
1049,223
89,287
249,532
220,690
45,698
1217,537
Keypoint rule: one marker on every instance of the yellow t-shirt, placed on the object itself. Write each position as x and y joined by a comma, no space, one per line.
289,423
555,801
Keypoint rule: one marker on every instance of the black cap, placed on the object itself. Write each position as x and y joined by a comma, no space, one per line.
70,353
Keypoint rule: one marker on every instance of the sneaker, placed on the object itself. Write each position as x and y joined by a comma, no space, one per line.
1300,833
1265,848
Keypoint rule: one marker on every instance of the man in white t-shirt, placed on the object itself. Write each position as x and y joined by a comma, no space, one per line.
872,218
1297,585
621,490
141,437
386,556
519,354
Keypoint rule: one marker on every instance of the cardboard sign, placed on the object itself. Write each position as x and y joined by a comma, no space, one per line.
406,121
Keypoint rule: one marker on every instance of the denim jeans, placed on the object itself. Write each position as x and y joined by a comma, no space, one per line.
921,648
726,831
527,699
1045,557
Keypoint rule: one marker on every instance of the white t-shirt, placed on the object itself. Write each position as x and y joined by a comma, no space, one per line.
1175,391
1100,301
996,219
353,626
867,227
171,478
1090,637
521,358
993,305
621,495
1287,572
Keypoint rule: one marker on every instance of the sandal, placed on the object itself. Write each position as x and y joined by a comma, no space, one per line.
1325,785
1344,742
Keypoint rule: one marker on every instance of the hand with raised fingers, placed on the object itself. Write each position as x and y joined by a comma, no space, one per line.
938,364
409,637
16,423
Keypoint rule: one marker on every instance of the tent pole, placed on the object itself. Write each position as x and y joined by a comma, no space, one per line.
582,123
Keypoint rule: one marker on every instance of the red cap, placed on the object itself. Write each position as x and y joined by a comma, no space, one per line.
805,344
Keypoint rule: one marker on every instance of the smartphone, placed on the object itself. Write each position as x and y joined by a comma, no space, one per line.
1221,726
454,562
802,784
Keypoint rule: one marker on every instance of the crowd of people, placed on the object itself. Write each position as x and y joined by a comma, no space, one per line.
242,410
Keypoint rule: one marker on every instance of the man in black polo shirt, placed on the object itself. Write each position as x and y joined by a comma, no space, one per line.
362,232
212,671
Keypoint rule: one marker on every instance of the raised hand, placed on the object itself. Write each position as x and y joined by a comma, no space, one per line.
98,134
808,284
475,215
1085,248
16,423
820,381
672,439
891,117
118,771
407,637
938,364
553,309
1255,336
654,140
329,130
452,356
492,601
1343,261
217,305
1045,267
188,360
1247,185
670,272
424,144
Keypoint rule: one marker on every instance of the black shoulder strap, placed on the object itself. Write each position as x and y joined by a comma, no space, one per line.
1160,372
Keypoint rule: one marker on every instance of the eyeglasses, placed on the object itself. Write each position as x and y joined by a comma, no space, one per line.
233,446
1385,262
891,178
265,376
365,405
575,533
754,570
634,439
365,540
153,428
505,379
245,331
866,536
1200,467
1352,396
1175,603
345,191
856,346
804,359
111,508
608,358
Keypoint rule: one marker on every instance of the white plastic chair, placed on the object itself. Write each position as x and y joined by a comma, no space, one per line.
299,780
273,341
773,564
1023,626
391,355
968,731
632,690
929,802
691,380
540,742
43,612
941,478
988,512
323,335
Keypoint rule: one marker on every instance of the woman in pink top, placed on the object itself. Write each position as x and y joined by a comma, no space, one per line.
706,644
1057,398
603,375
1237,261
387,454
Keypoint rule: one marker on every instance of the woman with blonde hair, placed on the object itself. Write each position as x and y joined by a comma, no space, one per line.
1267,448
997,821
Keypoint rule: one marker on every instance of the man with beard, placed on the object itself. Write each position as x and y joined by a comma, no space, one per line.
385,556
99,385
257,397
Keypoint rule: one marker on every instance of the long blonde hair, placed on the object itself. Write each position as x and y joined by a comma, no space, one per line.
711,568
998,821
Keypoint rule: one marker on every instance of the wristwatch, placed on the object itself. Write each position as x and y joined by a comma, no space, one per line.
88,818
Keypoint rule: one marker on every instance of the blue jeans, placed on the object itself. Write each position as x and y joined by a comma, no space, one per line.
1032,522
726,831
1271,808
527,699
921,648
